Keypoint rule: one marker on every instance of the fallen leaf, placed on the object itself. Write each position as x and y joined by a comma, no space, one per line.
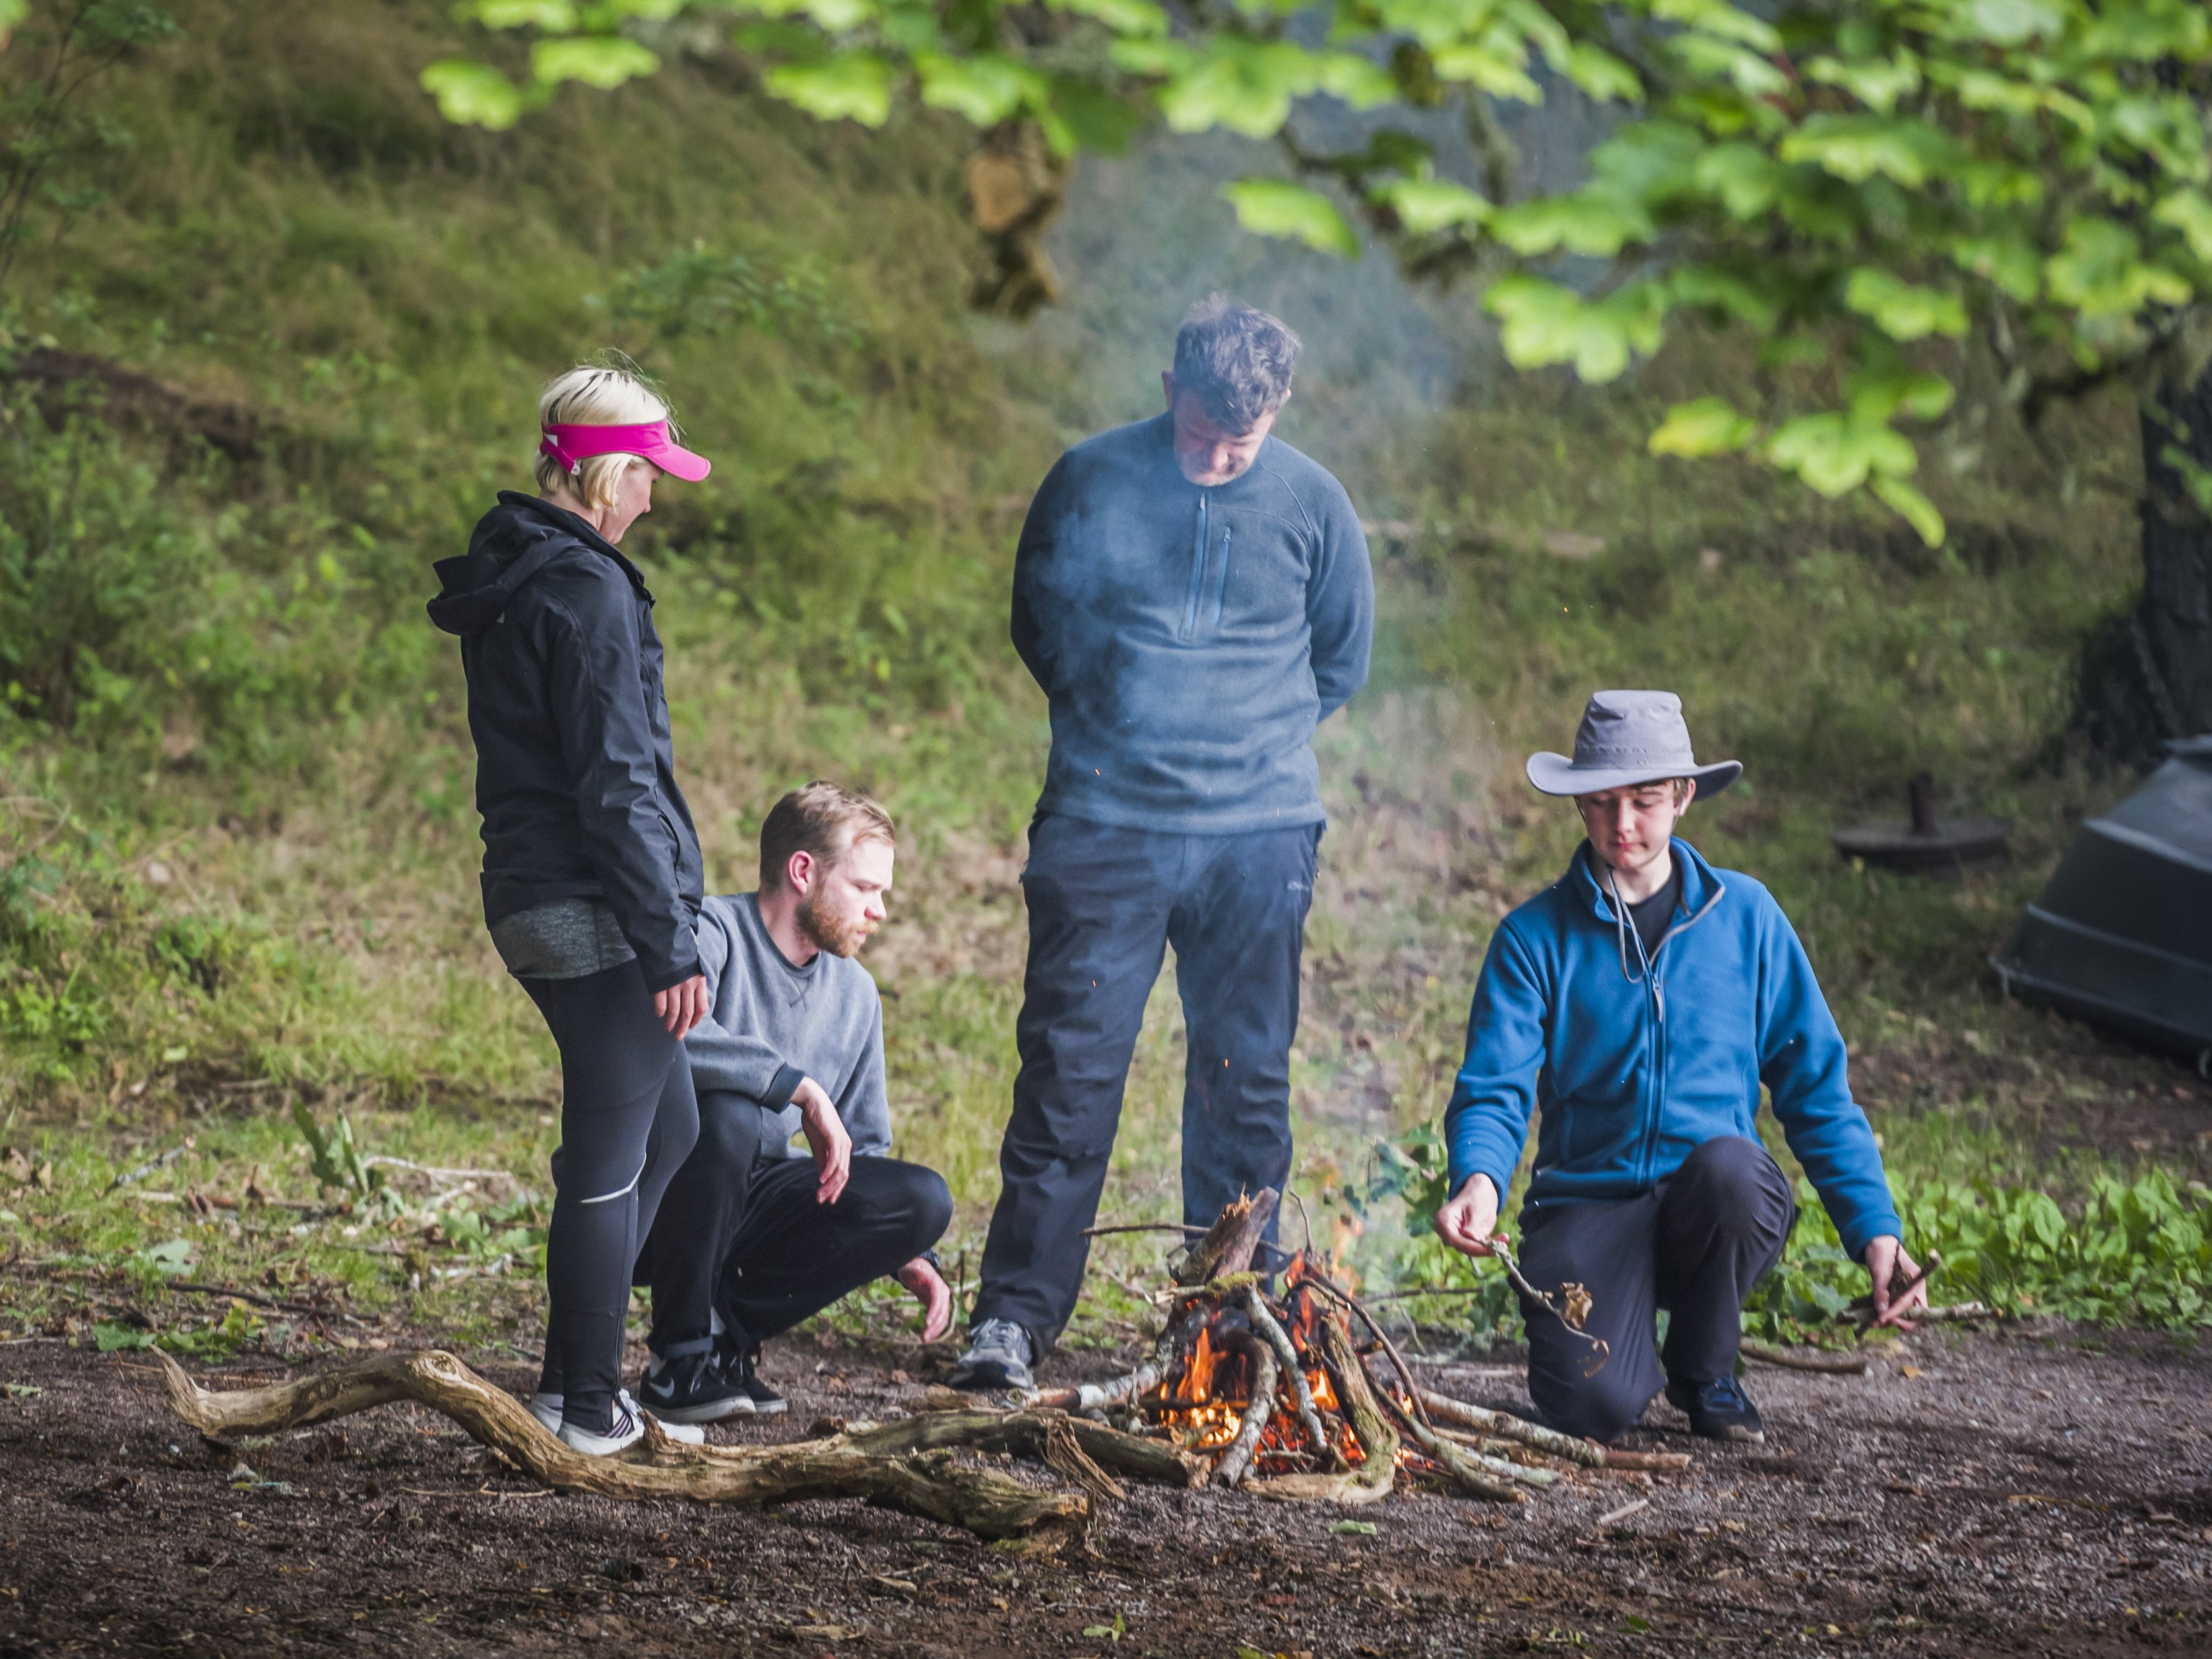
825,1632
1358,1528
1909,1370
16,1167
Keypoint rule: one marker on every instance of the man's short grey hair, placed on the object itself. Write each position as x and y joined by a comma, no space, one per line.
1235,360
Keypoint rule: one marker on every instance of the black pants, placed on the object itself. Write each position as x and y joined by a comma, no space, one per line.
628,1119
1103,905
1695,1246
742,1233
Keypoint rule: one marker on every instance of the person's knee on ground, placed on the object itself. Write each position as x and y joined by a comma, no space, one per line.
1596,1407
1730,1177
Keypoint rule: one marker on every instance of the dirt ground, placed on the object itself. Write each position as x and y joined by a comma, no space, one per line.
2047,1492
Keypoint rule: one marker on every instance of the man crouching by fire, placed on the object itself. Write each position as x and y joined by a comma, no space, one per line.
1640,1001
1193,597
753,1237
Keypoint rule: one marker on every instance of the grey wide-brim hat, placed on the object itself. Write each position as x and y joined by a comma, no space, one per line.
1628,738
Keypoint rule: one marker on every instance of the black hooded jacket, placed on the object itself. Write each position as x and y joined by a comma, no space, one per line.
575,775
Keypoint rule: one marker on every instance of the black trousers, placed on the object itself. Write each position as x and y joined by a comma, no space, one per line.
742,1233
1695,1246
628,1119
1104,906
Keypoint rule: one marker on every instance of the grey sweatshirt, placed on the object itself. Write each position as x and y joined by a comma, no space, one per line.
770,1024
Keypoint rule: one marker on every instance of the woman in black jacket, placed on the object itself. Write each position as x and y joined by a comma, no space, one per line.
591,875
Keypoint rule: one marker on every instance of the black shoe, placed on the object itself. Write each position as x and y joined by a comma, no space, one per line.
741,1367
693,1389
1719,1409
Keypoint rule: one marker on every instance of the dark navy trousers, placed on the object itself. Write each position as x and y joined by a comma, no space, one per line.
1105,903
1695,1244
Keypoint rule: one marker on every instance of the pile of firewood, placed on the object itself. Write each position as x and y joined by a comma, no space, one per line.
1246,1387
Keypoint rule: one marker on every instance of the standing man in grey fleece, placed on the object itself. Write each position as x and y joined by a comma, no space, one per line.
1194,596
752,1237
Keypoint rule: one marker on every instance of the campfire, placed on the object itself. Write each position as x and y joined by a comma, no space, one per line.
1291,1390
1272,1388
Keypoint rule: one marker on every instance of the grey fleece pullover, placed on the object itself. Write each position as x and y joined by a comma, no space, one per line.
770,1024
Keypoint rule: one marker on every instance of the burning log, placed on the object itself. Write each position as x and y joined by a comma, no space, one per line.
1237,1462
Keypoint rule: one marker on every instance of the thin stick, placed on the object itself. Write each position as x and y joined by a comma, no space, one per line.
253,1296
1601,1350
1431,1291
1506,1426
1264,1321
1237,1462
1140,1227
1397,1359
1784,1359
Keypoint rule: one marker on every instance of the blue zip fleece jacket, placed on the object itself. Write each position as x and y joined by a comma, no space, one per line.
1635,1063
1189,639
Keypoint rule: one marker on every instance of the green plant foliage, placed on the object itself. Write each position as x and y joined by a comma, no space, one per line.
1851,180
334,1156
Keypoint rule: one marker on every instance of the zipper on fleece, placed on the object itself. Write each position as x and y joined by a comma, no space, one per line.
1658,1036
1189,629
1217,588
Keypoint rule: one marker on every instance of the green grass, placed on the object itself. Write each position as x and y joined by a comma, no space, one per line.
237,852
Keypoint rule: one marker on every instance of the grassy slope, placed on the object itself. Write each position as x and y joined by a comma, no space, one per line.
250,861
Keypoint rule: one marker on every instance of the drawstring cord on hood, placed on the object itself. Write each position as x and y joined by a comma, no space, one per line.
1620,929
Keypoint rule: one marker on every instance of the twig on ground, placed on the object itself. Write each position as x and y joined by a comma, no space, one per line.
1829,1364
1624,1511
148,1167
253,1296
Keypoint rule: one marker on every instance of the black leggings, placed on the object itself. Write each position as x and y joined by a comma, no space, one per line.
628,1121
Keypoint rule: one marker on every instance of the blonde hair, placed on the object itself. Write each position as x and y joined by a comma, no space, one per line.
593,396
821,819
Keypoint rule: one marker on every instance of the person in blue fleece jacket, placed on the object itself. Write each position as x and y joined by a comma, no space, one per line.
1639,1003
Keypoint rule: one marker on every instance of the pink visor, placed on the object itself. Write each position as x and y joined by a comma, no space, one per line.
574,445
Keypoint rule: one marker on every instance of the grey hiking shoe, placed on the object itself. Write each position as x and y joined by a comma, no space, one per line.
997,1357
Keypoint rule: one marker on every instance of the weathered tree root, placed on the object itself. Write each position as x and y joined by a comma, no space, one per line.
1024,1433
983,1502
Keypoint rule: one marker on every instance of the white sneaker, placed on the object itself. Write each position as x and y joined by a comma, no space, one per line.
628,1428
546,1408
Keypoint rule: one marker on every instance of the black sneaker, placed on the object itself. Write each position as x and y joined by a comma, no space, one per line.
1719,1409
741,1367
692,1389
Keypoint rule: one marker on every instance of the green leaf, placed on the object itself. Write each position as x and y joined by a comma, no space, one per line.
985,89
1126,17
1424,206
1352,1528
1601,75
1595,221
849,88
2100,272
1835,454
1705,426
1500,74
2008,22
1856,148
1915,509
1727,292
1716,17
2190,213
2012,265
1742,175
605,61
472,95
1270,207
12,14
553,16
1545,323
1877,395
1877,83
1903,310
111,1338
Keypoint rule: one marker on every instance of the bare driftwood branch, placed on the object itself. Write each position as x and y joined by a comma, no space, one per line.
1273,1333
1477,1475
1372,1480
1237,1462
982,1501
1790,1360
1229,1244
